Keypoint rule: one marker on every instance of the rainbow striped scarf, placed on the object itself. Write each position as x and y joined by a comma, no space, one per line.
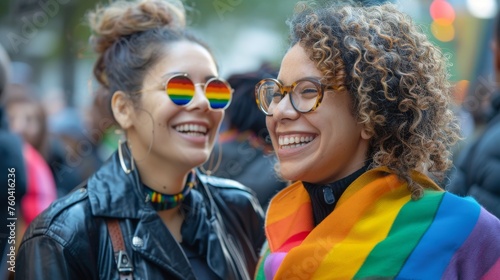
377,231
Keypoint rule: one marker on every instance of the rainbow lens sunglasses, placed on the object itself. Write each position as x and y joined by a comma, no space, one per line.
181,89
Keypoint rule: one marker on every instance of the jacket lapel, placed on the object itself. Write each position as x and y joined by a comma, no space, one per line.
112,193
201,230
160,247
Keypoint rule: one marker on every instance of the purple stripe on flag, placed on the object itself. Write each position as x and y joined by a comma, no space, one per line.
272,263
478,254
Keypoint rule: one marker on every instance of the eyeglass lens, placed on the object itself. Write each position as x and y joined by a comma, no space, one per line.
304,96
181,90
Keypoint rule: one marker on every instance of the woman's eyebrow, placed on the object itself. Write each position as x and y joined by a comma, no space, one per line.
304,77
210,77
166,75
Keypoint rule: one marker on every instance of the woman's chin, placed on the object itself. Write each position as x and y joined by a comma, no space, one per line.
289,175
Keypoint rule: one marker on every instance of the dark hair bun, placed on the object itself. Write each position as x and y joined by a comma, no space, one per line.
123,18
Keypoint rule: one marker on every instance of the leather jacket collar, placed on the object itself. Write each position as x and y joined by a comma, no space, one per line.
112,193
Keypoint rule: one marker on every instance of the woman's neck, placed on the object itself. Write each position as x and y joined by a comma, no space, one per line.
324,197
162,178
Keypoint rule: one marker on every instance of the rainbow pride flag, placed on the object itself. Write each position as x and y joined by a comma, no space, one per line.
377,232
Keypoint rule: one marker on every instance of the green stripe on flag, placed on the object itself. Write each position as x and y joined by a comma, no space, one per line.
412,222
260,274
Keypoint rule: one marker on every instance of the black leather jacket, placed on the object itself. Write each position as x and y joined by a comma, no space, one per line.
70,239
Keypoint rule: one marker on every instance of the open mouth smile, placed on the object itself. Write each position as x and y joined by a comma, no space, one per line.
293,141
192,129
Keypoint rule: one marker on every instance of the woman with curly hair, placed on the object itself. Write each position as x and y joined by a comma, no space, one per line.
359,118
148,213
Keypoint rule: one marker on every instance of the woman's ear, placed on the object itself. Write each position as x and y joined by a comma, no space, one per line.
365,133
123,109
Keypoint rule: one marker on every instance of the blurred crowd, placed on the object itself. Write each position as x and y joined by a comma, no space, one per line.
50,147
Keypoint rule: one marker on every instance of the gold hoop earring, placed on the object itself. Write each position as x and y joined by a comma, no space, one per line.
122,161
211,168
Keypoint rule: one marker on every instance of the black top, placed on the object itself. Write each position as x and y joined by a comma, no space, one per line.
198,264
325,197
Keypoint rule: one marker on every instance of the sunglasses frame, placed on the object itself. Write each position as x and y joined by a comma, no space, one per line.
186,75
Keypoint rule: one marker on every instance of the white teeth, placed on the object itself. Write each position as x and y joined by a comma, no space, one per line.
192,129
294,141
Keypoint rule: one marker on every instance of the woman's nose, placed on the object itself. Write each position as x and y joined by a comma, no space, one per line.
284,109
200,99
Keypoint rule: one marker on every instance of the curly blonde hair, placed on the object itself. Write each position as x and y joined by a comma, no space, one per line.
397,79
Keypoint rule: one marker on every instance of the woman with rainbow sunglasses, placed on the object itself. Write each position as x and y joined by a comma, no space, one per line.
360,121
148,213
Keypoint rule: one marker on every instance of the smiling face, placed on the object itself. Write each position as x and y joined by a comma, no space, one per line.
167,137
320,146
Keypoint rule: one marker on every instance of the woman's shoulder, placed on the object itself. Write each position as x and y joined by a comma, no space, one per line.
67,218
468,215
239,208
470,233
64,241
225,185
234,194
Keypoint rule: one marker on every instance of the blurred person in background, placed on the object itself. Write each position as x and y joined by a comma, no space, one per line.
148,213
27,118
73,154
12,173
477,168
465,118
101,127
466,123
244,151
81,141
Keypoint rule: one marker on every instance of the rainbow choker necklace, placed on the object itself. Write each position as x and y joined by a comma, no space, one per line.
161,201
